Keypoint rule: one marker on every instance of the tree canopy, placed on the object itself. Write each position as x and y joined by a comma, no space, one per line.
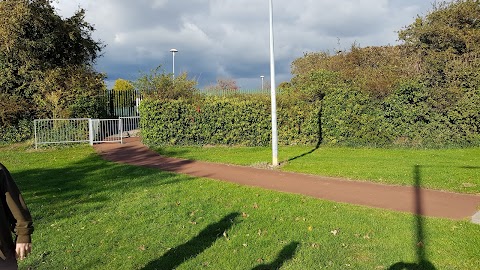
447,44
46,61
425,89
123,85
161,85
441,50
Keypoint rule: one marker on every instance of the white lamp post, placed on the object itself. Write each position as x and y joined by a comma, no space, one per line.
262,81
273,93
173,51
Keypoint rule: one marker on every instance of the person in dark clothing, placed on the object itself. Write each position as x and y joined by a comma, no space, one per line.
14,218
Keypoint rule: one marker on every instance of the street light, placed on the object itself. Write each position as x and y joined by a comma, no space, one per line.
173,51
273,93
262,81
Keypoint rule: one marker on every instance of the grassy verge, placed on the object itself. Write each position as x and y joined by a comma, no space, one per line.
455,170
93,214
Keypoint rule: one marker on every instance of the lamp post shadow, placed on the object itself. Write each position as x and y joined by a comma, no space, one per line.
420,245
319,133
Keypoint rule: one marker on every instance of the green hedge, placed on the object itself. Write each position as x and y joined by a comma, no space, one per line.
226,121
345,116
415,120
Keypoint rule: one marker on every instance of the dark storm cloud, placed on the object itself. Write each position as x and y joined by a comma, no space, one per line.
230,38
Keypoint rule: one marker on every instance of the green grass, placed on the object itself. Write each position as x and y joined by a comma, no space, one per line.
93,214
455,170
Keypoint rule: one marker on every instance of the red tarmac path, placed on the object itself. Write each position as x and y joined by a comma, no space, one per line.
398,198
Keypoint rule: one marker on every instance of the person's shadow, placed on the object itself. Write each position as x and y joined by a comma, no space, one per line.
176,256
422,262
285,255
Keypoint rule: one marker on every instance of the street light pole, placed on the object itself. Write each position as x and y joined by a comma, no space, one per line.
262,81
273,93
173,51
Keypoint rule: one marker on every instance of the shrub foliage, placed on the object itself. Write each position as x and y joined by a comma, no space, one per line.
224,121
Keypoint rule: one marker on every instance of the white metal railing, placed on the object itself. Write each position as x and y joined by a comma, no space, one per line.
85,130
130,126
105,130
51,131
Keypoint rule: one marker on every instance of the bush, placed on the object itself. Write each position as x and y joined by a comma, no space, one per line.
351,117
19,133
225,121
344,116
415,120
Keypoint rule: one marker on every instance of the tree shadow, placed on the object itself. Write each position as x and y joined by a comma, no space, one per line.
319,135
286,254
83,185
178,255
420,247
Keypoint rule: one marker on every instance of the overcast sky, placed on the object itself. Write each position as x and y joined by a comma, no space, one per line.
230,38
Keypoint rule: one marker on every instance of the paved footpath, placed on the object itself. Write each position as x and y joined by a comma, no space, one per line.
398,198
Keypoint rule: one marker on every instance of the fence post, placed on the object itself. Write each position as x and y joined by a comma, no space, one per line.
35,131
120,125
90,131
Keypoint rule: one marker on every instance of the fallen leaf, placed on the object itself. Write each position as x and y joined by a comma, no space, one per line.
225,235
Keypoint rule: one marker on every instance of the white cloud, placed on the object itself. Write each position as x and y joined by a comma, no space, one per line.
230,38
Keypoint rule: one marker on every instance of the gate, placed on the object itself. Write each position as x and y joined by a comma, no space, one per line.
105,130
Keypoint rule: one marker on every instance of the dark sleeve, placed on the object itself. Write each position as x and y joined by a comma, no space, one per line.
19,214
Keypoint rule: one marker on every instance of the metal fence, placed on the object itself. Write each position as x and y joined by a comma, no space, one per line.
105,130
233,92
121,103
85,130
52,131
130,126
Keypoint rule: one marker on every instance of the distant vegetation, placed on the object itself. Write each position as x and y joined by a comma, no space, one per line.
422,93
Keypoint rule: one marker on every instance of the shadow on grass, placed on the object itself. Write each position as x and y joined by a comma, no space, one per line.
172,152
319,134
206,238
470,167
286,254
84,185
304,154
420,246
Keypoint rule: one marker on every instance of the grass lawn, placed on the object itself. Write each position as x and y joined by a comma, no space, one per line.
455,170
94,214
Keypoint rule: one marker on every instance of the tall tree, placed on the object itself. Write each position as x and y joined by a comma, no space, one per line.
447,41
123,85
160,85
35,43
